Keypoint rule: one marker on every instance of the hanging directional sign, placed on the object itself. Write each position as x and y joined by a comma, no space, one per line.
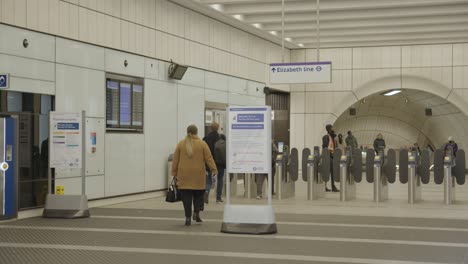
300,72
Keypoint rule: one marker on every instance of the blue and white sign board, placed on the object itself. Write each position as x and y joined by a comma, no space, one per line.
249,142
248,138
4,81
66,142
300,72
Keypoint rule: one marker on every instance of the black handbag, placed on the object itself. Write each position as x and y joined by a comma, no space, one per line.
173,193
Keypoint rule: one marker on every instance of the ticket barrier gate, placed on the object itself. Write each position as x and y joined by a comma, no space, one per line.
447,167
287,171
380,171
347,166
311,163
414,170
8,172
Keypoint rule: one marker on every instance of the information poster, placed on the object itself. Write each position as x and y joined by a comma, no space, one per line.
66,143
249,139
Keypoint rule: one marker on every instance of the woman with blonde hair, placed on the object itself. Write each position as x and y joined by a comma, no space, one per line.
188,167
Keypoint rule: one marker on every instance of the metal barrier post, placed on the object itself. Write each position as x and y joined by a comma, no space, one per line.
343,178
411,179
448,181
279,171
377,178
310,177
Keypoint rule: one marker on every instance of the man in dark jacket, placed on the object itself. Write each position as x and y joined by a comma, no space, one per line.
351,141
211,140
220,160
329,142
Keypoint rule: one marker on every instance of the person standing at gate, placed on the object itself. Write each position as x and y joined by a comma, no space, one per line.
211,140
379,144
351,141
188,167
451,143
329,142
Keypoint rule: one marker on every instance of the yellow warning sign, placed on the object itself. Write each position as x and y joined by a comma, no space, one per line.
60,190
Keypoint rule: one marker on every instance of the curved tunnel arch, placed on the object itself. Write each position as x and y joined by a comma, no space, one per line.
434,130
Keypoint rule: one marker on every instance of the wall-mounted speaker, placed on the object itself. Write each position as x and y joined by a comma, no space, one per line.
352,111
428,112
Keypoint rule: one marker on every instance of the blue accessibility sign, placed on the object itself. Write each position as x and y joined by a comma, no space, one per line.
4,82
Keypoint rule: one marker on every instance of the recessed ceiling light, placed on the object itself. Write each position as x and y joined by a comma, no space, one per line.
239,17
217,7
300,45
391,92
288,39
274,33
257,25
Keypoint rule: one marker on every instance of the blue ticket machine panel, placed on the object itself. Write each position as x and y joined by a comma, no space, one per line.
8,180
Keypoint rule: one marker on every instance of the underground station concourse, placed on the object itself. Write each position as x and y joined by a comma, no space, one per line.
345,126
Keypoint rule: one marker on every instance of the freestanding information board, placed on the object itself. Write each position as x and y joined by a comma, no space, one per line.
249,144
66,150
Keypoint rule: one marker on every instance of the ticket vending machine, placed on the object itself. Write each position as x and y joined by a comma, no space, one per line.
8,173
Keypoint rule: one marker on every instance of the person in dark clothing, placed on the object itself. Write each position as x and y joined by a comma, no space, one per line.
451,143
329,142
211,140
220,160
260,177
379,144
351,141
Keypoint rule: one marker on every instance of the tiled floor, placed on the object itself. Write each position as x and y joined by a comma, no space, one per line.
322,231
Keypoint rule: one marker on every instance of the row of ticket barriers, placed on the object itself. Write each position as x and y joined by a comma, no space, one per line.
348,168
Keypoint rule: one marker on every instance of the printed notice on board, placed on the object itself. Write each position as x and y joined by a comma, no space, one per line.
249,139
66,143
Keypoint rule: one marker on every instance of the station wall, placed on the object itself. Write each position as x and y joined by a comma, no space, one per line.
75,73
152,28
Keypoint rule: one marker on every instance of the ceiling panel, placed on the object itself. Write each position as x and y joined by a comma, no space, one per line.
344,23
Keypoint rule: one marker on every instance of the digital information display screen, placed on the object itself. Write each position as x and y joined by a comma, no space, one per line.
137,105
125,97
112,101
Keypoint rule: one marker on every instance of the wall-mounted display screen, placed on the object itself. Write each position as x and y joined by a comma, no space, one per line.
124,103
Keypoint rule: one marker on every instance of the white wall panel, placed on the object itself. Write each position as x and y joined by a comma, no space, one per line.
94,186
177,50
194,77
460,54
161,15
460,77
151,69
216,81
427,55
125,163
257,49
220,61
242,100
298,101
377,57
160,130
255,89
237,85
115,63
40,46
162,46
80,89
31,85
191,102
220,35
460,98
95,157
79,54
367,81
68,20
197,55
297,132
176,19
341,58
197,27
239,42
326,102
216,96
53,17
256,70
239,66
298,55
27,68
341,81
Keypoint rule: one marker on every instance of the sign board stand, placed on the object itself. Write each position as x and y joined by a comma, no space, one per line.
67,150
248,136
